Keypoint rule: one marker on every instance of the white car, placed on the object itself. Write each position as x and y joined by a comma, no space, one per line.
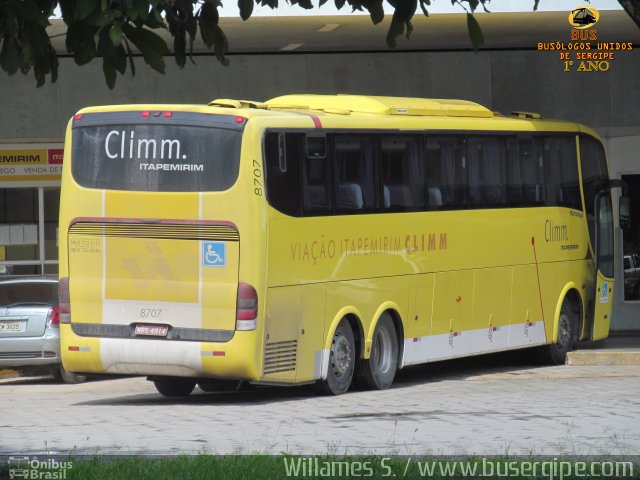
30,326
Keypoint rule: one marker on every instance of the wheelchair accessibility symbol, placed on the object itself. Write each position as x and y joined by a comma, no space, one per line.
214,254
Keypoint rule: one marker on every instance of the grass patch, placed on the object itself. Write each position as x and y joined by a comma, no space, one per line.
259,467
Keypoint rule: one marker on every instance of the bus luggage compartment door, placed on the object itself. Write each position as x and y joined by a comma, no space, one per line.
179,276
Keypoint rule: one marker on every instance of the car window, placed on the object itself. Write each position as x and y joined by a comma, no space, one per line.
28,294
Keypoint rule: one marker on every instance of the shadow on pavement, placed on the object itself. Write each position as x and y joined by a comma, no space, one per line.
451,370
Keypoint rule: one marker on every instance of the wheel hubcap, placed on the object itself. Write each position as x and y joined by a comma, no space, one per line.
340,355
382,350
564,331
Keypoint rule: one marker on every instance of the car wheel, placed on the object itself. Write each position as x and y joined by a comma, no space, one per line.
174,386
342,359
63,375
379,370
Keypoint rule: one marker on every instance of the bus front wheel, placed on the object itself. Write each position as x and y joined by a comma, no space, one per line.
379,370
556,353
174,386
342,358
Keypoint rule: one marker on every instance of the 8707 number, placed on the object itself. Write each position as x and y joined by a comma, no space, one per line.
150,312
258,187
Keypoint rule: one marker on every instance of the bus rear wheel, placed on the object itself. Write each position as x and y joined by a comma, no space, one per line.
174,386
379,370
556,354
342,359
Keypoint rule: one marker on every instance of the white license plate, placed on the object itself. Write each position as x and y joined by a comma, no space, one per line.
10,326
152,330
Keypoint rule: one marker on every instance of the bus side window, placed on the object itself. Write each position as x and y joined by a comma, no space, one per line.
562,172
402,173
487,172
355,175
282,185
526,172
446,173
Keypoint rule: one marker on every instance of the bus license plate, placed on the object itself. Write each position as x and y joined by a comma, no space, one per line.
152,330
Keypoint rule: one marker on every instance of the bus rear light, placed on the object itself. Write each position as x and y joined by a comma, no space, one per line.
64,307
78,116
240,119
53,317
247,307
149,114
74,349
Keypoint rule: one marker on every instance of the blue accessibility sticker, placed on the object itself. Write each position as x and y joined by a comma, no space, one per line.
214,254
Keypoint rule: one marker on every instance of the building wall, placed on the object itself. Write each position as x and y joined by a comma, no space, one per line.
501,80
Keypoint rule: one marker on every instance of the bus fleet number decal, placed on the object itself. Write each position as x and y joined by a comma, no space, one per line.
150,312
257,178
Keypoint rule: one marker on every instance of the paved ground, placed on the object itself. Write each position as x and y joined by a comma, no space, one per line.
475,406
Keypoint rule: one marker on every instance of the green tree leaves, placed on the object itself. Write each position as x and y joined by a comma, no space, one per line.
112,30
25,44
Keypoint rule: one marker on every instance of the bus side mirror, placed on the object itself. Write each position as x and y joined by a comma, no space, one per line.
624,213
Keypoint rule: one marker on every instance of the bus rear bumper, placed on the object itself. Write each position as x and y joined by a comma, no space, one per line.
235,359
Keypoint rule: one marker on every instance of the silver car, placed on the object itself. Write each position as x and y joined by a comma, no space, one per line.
30,326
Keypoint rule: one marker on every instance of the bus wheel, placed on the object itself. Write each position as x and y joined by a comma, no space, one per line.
556,353
380,369
174,386
341,362
62,374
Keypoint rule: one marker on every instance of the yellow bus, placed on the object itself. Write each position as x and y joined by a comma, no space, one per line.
326,239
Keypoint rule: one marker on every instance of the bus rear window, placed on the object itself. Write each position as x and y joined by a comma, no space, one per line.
155,157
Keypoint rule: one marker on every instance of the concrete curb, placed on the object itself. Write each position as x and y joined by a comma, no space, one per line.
603,357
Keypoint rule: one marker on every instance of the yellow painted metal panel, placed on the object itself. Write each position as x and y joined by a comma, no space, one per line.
151,205
152,269
87,356
418,322
219,291
526,303
282,329
603,304
453,301
233,359
85,286
312,330
491,298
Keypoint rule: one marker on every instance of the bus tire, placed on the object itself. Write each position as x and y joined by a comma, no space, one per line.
174,386
379,370
556,353
63,375
342,360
